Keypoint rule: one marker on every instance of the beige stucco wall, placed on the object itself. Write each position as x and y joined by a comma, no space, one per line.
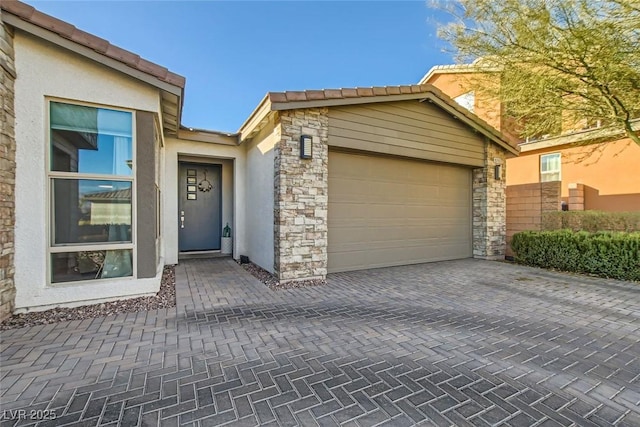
260,196
48,71
232,158
610,174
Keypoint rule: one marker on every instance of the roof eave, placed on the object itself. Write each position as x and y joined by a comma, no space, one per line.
173,94
470,119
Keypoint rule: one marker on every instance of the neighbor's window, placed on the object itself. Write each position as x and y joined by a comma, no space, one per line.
550,167
91,183
467,100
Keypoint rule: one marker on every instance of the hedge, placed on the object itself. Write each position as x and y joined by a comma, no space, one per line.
606,254
592,221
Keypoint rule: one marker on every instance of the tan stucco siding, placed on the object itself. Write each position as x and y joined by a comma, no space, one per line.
409,129
610,174
456,84
260,175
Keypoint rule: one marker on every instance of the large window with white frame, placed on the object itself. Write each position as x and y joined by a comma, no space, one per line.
550,167
91,182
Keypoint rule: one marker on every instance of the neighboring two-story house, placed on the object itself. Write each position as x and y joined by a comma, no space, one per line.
606,174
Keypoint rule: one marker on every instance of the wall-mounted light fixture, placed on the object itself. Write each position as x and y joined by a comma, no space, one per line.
497,172
306,146
497,169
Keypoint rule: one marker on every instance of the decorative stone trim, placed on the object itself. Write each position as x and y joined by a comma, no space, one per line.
489,206
7,172
301,201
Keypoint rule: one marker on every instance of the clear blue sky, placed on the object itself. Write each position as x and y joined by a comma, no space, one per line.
234,52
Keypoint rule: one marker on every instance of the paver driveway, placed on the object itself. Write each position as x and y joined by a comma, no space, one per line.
449,343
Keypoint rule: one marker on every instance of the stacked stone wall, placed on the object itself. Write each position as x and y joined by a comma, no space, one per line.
489,205
301,201
7,171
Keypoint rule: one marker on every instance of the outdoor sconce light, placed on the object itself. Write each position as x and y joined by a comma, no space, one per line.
305,146
497,169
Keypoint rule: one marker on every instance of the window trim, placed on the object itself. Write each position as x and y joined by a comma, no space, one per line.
559,171
50,175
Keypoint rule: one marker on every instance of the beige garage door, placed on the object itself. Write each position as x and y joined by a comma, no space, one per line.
388,211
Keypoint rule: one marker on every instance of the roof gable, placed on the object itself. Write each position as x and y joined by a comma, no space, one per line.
277,101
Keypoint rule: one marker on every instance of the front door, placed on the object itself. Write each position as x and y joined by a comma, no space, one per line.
199,207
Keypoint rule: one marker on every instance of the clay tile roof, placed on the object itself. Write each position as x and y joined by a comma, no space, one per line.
357,92
296,96
333,93
68,31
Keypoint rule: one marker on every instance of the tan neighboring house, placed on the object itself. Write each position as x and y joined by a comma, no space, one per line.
597,176
112,186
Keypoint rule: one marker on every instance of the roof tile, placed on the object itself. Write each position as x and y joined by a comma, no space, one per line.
89,40
364,91
175,79
278,96
122,55
313,95
66,30
350,93
393,90
151,68
18,8
296,96
379,90
405,89
45,21
333,93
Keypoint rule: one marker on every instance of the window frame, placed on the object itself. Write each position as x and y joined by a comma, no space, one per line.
546,173
52,175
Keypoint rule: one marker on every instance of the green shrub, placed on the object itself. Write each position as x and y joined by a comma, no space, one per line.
592,221
606,254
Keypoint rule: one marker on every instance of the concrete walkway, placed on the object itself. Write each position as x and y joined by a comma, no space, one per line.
451,343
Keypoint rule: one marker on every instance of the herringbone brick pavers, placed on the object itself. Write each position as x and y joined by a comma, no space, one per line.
452,343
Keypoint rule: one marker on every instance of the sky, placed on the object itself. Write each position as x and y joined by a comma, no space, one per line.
233,52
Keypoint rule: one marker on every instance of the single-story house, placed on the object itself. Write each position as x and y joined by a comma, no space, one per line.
109,186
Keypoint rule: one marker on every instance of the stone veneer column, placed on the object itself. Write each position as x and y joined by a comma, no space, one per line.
489,206
301,204
7,171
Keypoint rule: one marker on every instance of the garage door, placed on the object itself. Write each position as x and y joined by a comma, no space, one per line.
389,211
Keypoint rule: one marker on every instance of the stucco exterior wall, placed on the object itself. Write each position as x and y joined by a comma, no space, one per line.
260,196
7,172
609,175
69,77
456,84
232,158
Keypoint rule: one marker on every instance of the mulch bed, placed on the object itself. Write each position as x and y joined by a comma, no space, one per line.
274,284
165,298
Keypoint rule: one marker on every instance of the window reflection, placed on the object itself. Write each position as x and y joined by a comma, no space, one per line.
91,265
91,211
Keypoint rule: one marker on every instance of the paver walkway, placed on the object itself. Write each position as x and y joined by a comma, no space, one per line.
452,343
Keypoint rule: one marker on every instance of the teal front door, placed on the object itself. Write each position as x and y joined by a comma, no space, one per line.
199,207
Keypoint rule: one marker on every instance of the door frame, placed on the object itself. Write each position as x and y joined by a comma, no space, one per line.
181,163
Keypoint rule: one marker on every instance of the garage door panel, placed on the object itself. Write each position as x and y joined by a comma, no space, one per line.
389,211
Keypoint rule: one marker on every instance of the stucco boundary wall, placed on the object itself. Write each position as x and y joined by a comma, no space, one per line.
525,205
7,172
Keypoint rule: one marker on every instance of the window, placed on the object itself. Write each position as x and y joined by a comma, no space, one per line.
467,100
91,181
550,167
